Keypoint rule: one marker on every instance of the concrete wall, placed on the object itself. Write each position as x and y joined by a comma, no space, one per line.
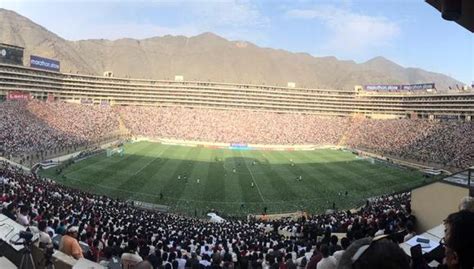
431,204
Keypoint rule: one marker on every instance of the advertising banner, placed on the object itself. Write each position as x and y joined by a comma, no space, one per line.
44,63
382,87
18,96
241,146
421,86
405,87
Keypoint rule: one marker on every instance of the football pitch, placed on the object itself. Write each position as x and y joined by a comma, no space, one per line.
194,180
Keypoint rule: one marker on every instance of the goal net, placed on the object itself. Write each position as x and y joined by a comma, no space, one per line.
115,151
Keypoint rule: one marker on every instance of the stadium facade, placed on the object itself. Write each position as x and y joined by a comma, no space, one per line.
44,84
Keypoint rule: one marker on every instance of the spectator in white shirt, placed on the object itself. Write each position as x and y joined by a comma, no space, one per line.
381,230
130,258
205,261
44,238
345,243
23,217
181,260
327,262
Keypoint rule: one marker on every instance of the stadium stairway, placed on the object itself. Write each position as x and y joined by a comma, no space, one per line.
356,121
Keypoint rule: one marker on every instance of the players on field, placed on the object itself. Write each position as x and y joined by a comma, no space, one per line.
252,185
197,181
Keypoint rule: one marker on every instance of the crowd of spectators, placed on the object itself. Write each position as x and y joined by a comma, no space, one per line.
449,143
35,127
112,231
233,126
119,235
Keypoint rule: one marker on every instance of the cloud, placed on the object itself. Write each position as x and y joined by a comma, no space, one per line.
349,30
231,13
113,19
232,19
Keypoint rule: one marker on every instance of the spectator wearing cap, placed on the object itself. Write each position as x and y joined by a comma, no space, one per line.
69,244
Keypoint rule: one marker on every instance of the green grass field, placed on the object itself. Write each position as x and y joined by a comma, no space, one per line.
148,169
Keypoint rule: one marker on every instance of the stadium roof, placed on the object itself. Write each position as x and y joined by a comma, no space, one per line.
449,11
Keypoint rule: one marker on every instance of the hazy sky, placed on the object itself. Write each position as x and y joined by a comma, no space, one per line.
409,32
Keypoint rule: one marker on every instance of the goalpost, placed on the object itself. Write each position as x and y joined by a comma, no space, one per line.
115,151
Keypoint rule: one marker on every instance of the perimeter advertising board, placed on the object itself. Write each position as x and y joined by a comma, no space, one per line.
11,54
44,63
242,146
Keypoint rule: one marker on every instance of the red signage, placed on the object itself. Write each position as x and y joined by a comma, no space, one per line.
18,96
50,97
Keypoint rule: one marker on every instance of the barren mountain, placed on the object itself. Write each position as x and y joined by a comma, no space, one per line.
205,57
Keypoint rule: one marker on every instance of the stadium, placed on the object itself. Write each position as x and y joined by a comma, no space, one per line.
178,173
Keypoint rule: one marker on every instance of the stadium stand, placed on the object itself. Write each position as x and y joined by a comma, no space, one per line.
68,112
114,232
34,130
107,225
203,94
